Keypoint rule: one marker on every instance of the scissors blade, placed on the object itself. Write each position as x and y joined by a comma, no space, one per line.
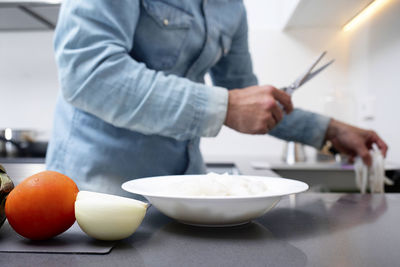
313,74
300,80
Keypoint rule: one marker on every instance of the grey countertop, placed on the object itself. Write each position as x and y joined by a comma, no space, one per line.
322,177
19,169
312,165
275,163
310,229
250,165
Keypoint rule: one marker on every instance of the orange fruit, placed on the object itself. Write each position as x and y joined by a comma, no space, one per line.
42,205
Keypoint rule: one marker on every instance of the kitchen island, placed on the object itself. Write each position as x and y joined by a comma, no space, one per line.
310,229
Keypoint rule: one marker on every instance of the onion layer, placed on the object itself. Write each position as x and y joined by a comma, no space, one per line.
108,217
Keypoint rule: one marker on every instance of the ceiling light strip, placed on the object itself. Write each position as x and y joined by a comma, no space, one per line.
367,12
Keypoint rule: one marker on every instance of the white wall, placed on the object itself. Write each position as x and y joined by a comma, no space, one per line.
28,80
374,63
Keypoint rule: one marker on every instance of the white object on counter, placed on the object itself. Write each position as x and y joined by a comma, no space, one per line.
212,210
372,177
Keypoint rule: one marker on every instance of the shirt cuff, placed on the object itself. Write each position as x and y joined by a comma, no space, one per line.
215,111
321,123
302,126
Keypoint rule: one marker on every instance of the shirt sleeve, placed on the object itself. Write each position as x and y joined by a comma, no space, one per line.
92,44
302,126
235,69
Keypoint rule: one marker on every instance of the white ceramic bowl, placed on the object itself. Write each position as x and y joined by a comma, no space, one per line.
212,210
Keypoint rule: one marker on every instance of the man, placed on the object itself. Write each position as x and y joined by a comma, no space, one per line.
133,101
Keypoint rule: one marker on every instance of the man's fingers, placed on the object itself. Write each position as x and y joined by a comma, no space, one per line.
343,150
380,143
284,99
277,113
363,152
271,123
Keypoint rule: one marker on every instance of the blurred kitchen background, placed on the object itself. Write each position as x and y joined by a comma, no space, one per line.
285,36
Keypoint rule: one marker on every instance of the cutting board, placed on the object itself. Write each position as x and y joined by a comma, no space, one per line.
73,241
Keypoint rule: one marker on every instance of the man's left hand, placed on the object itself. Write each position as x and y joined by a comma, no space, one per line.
354,141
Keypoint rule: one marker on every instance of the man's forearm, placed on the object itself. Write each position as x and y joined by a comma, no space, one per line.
303,126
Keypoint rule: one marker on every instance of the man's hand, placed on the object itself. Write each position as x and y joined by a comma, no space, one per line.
354,141
255,109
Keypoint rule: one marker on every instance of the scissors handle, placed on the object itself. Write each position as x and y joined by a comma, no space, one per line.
288,90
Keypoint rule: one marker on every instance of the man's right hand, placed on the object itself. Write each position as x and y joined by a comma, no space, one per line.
255,109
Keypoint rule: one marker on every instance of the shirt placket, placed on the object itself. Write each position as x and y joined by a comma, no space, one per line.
195,163
203,60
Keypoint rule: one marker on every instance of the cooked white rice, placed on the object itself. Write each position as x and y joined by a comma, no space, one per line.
214,184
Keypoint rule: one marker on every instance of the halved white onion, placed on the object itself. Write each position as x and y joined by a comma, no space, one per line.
108,217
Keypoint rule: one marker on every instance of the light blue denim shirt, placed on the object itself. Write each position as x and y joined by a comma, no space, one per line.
133,100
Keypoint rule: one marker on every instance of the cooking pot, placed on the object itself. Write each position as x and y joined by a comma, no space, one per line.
21,143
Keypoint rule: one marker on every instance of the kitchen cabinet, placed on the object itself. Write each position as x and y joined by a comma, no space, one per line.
322,13
17,15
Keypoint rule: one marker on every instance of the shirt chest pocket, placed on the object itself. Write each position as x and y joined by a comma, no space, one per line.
160,34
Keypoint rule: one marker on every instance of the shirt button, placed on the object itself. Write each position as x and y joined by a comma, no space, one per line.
166,22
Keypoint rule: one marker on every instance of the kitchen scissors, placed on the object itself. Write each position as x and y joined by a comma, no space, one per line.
308,75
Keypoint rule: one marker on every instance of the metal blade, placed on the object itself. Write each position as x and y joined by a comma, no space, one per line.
300,80
313,74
